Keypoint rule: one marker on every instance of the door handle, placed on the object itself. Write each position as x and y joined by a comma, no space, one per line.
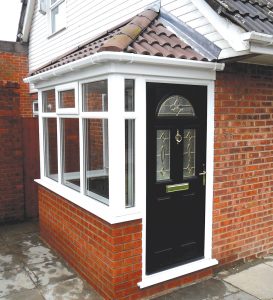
203,174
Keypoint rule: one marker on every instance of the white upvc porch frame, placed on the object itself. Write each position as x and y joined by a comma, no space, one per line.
116,68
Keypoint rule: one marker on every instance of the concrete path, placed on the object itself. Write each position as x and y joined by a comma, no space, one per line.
249,281
29,270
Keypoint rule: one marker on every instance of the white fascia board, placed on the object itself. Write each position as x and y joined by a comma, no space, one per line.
260,43
260,49
28,20
229,31
261,38
108,57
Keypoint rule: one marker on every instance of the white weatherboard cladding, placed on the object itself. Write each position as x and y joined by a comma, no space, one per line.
86,19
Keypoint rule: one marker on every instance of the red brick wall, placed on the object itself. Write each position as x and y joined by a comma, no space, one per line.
11,154
14,67
108,256
243,189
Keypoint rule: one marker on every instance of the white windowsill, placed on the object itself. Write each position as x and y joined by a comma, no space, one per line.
56,32
149,280
91,205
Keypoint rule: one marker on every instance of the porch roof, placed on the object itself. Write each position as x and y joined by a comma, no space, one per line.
144,34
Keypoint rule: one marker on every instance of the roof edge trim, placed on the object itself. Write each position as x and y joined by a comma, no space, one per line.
27,20
197,41
103,57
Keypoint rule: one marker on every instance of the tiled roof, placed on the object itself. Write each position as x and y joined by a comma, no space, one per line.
144,34
252,15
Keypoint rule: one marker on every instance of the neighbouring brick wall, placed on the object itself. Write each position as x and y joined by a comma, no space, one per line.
243,189
14,67
11,154
108,256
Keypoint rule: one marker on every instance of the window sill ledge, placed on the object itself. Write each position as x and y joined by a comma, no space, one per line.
51,35
159,277
99,209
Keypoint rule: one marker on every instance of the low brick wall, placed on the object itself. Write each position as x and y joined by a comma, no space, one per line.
108,256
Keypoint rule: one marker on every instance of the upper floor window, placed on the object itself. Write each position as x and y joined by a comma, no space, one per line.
57,15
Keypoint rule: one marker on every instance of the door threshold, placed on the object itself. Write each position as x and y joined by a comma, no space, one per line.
149,280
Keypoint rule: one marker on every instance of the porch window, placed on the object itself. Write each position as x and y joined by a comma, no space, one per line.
57,15
89,141
70,152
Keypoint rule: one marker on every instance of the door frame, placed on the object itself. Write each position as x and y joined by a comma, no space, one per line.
207,261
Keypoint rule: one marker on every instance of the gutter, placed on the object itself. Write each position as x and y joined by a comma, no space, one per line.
106,57
27,20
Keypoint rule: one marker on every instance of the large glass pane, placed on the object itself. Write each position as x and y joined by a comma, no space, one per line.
48,100
130,162
95,96
51,153
176,106
58,17
189,153
97,162
163,155
129,95
67,99
71,153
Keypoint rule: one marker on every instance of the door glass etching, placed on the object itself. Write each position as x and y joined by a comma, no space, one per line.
176,106
163,155
189,153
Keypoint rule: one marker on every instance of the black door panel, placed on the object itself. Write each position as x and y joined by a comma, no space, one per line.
175,190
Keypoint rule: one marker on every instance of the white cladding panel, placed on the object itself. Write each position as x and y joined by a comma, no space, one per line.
87,18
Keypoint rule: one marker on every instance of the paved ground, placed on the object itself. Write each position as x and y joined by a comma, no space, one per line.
29,270
250,281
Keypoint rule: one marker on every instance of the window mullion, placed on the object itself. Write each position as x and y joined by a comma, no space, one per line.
116,144
140,144
41,137
59,146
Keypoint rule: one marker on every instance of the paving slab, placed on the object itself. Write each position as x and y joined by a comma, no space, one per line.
208,289
72,289
49,273
22,242
9,260
26,295
256,280
269,260
14,281
240,296
38,254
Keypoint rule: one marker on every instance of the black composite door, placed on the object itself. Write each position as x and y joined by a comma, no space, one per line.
176,164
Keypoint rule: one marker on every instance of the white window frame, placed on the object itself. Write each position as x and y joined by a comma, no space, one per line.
50,9
63,88
116,210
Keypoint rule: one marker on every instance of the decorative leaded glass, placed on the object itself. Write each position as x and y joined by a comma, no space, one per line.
163,155
189,153
176,106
